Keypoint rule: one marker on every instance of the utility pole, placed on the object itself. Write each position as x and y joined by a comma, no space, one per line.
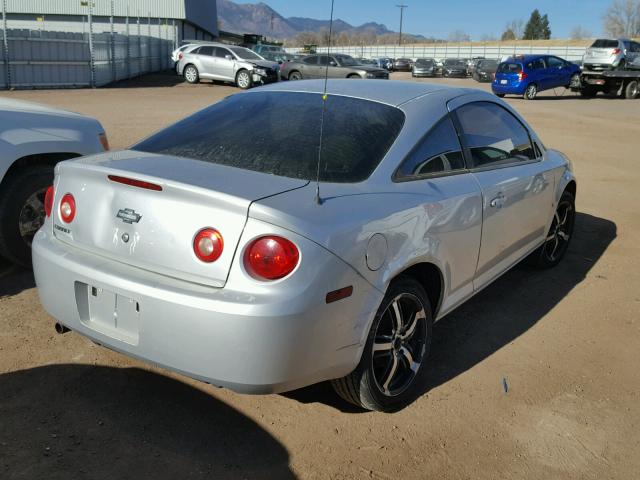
401,7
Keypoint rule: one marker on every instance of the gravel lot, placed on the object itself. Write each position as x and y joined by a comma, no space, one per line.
566,341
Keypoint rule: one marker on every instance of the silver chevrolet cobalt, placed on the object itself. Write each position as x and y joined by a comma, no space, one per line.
263,245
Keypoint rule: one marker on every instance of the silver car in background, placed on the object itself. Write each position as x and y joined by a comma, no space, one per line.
210,249
227,63
607,54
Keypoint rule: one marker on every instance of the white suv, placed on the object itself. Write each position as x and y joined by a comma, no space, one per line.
33,138
606,54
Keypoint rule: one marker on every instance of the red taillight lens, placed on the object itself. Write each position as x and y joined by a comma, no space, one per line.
132,182
208,245
522,76
180,55
67,208
615,51
271,258
48,201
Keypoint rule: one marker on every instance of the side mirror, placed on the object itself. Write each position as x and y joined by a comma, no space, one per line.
333,64
229,57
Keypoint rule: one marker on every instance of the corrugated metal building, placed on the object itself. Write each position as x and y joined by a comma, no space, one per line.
66,43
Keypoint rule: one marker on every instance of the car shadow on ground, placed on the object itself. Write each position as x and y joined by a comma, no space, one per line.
166,78
499,314
83,421
14,279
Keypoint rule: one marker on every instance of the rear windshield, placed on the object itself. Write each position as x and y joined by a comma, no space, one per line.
422,61
509,67
488,64
278,133
602,43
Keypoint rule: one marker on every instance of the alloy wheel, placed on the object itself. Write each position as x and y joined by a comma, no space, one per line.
32,215
560,232
244,80
399,345
191,75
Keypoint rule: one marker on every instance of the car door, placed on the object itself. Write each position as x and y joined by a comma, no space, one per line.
333,70
538,73
517,189
559,72
206,63
451,218
309,67
225,64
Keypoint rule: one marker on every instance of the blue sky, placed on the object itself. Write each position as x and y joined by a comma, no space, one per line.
439,17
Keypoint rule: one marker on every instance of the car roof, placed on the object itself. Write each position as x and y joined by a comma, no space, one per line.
393,93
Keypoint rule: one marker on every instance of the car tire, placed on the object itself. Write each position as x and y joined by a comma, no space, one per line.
530,92
574,80
243,79
391,372
354,76
559,236
191,74
631,90
500,95
295,75
22,212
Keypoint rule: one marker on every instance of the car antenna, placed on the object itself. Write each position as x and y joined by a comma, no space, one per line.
324,105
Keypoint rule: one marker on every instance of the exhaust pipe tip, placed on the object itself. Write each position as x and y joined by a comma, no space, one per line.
61,329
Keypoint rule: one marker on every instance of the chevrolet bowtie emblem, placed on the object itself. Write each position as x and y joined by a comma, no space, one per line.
129,216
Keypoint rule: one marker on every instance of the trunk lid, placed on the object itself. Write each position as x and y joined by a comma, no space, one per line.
508,73
160,226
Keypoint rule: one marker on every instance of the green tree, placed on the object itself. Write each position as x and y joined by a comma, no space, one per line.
508,35
537,27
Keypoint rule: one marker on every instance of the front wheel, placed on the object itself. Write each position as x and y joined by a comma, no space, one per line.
22,212
631,90
243,79
500,95
559,236
295,76
391,369
531,92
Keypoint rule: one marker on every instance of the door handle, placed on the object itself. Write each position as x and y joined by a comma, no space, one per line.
497,202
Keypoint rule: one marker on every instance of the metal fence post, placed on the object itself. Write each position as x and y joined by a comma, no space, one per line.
149,43
92,63
7,65
113,45
128,53
138,51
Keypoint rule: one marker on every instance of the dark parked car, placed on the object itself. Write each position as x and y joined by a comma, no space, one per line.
386,63
527,75
336,66
454,67
485,70
402,65
472,64
424,67
367,61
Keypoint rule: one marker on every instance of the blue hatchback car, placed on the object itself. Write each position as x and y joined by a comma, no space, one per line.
527,75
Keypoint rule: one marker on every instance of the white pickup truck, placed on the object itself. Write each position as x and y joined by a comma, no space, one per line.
33,138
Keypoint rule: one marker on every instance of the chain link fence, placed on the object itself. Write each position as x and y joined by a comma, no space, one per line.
37,58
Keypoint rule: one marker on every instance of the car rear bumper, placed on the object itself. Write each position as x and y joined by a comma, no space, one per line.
517,89
227,338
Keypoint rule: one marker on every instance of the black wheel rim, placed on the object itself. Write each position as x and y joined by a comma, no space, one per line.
399,345
560,232
32,215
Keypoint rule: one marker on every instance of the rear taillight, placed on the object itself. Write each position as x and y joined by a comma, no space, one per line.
208,245
67,208
522,76
180,55
271,258
615,51
48,201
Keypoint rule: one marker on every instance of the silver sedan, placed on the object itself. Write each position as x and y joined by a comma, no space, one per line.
290,259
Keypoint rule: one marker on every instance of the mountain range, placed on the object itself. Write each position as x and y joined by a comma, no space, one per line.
262,19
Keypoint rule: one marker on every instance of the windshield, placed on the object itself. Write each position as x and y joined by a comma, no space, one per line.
455,63
346,60
245,53
602,43
423,62
247,131
488,65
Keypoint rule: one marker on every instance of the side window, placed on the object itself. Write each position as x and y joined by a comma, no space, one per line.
635,47
323,60
222,52
536,64
312,60
206,51
493,135
438,152
555,62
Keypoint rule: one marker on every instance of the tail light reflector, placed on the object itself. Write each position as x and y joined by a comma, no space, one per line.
522,76
271,258
615,51
180,55
135,183
48,201
208,245
67,208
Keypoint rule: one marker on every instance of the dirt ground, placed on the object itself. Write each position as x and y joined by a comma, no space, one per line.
566,342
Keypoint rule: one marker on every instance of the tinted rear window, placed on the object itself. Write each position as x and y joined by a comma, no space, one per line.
509,67
601,43
278,133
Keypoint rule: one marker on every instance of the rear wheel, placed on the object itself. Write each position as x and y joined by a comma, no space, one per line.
391,371
22,212
243,79
500,95
191,74
295,76
631,90
559,236
354,76
531,92
574,82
